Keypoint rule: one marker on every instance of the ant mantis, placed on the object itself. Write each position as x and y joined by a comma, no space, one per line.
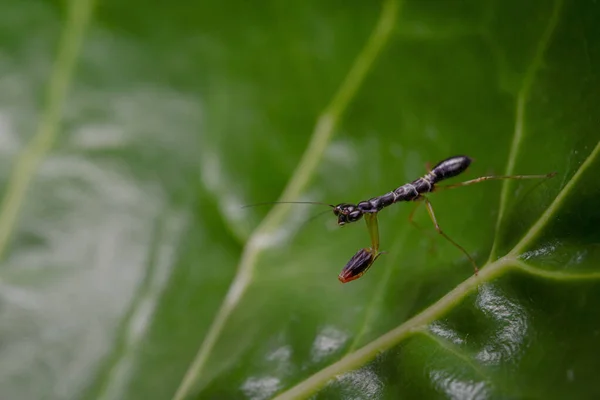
415,191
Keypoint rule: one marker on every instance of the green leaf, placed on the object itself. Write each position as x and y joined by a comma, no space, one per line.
133,132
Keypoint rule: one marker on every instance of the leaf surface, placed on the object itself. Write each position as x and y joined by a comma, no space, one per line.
133,132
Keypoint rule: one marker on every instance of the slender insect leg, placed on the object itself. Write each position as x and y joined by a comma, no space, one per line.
437,228
495,177
373,228
411,216
411,220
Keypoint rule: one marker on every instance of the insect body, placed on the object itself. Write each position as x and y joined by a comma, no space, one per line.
409,192
415,191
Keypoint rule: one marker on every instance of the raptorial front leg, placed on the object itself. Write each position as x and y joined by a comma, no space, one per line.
364,258
439,230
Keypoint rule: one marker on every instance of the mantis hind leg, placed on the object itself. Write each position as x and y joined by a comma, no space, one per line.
492,177
411,220
439,230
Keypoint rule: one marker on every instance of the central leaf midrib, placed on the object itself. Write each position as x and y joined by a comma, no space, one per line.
440,308
322,135
28,162
520,111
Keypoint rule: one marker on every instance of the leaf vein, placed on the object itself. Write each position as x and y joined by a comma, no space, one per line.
324,130
556,275
522,98
36,149
558,200
452,349
396,335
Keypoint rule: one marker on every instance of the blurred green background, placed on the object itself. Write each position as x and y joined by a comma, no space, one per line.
132,132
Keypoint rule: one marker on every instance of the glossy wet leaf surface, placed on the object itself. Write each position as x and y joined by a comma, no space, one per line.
132,132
